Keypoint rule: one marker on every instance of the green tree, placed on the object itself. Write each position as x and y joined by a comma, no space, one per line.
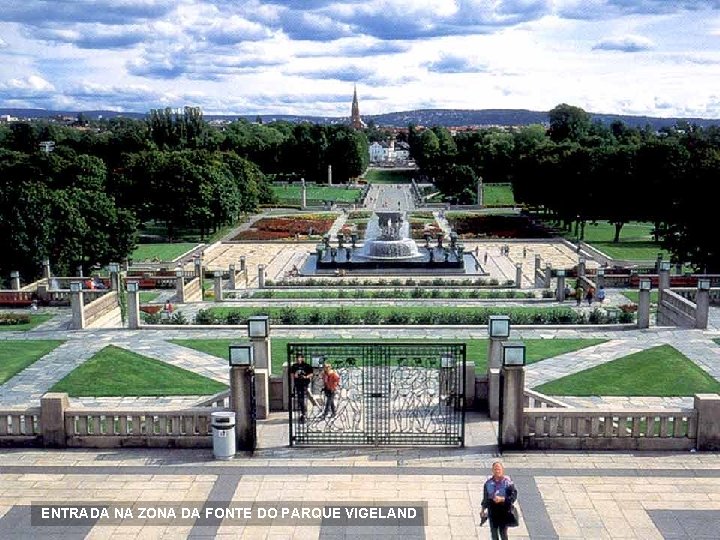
568,123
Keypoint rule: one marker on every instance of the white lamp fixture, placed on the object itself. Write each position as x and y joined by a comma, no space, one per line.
513,353
132,286
198,261
258,326
447,361
664,266
600,271
217,273
645,284
75,286
114,268
179,272
317,361
560,273
703,284
499,326
240,354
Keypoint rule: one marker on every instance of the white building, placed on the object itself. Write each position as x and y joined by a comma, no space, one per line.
388,152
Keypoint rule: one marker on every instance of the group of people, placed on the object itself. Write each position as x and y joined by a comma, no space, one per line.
302,374
93,283
590,294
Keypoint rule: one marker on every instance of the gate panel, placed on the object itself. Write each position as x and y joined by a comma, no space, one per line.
389,394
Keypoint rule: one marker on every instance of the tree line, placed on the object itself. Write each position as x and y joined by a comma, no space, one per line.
577,170
84,202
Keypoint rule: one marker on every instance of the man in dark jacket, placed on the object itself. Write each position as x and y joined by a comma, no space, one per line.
499,494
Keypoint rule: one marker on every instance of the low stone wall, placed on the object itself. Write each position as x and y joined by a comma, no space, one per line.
597,429
20,427
690,293
105,307
674,310
193,291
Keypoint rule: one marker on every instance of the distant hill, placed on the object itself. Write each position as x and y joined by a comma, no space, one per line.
422,117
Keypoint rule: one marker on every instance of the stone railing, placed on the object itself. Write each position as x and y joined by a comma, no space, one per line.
597,429
674,310
193,291
690,293
13,298
20,427
221,399
99,308
109,428
536,400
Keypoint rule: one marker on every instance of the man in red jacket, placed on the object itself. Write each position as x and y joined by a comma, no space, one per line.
331,381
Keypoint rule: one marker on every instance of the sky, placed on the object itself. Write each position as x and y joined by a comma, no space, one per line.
648,57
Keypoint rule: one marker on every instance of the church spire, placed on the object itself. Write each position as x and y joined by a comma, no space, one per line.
355,120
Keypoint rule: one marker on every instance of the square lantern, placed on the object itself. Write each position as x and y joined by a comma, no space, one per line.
179,272
197,261
241,354
513,353
217,273
447,361
114,268
664,266
317,361
560,273
132,286
645,284
258,326
75,286
703,284
499,326
600,271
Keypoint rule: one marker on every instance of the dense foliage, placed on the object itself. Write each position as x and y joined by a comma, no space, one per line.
580,171
82,203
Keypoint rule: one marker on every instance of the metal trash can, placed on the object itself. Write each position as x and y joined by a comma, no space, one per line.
223,430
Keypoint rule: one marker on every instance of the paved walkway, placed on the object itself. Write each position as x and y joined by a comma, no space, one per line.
561,495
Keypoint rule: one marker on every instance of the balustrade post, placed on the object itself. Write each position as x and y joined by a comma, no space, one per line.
52,419
707,407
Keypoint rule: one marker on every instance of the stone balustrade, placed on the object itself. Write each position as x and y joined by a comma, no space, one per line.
536,400
100,307
690,293
19,427
674,310
606,429
221,399
109,428
193,291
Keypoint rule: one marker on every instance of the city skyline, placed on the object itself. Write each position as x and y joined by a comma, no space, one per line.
607,56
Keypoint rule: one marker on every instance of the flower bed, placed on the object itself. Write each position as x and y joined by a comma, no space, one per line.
473,226
277,228
13,319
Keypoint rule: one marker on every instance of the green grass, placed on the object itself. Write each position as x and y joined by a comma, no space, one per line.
16,355
116,372
498,195
634,296
476,351
389,176
147,297
636,241
35,320
162,252
292,194
661,371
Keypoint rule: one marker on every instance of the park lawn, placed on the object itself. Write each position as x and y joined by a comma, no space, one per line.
636,241
390,176
660,371
498,195
476,351
162,252
35,320
293,193
147,297
634,296
116,372
16,355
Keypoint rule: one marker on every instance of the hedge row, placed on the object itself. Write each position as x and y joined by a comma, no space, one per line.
409,282
417,292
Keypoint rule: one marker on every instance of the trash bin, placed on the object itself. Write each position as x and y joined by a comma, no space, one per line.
223,430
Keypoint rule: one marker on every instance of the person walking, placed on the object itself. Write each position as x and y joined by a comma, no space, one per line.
499,495
578,294
331,381
600,294
301,373
590,295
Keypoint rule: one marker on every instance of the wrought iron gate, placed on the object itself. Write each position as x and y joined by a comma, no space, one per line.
389,394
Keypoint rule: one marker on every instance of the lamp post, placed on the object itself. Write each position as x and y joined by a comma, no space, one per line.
643,312
702,303
114,275
664,275
133,305
217,285
77,305
242,394
560,291
180,285
259,333
511,401
600,277
498,331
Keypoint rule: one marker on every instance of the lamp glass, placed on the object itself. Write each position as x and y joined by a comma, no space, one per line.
179,272
217,273
447,361
704,284
665,266
561,273
258,326
114,267
132,286
241,355
499,326
514,354
317,361
645,284
600,271
75,286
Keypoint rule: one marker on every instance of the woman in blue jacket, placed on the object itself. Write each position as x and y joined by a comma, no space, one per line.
499,494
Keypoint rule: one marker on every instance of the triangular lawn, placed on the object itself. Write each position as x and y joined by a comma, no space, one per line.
116,372
17,354
661,371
